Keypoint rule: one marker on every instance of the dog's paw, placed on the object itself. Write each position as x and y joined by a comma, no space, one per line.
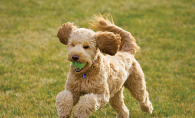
64,103
146,107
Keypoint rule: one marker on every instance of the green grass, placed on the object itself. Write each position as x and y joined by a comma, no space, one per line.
34,66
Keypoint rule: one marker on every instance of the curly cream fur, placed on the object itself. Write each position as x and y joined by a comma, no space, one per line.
106,75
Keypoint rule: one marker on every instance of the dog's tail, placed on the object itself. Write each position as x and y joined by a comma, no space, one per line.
128,43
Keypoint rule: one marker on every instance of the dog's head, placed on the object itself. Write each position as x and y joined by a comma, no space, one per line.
84,44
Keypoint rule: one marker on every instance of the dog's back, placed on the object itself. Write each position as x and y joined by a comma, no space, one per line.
121,63
128,43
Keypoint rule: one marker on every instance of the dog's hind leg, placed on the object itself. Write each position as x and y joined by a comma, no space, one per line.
137,86
117,103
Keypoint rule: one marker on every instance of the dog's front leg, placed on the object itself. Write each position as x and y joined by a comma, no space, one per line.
64,103
89,103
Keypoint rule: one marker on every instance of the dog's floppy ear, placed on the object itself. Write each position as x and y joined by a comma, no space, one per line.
108,42
65,31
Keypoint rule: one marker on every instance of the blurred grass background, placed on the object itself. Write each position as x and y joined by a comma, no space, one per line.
34,66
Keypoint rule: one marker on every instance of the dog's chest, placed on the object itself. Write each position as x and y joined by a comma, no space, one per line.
90,85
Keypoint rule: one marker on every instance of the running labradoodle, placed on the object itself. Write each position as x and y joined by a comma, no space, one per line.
95,79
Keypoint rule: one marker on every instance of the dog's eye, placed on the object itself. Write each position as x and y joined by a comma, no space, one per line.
73,45
85,47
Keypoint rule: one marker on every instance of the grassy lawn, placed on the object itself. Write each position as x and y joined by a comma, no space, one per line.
34,66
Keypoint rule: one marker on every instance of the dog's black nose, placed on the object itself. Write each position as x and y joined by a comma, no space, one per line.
75,57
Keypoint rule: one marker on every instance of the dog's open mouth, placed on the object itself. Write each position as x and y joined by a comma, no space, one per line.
78,70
